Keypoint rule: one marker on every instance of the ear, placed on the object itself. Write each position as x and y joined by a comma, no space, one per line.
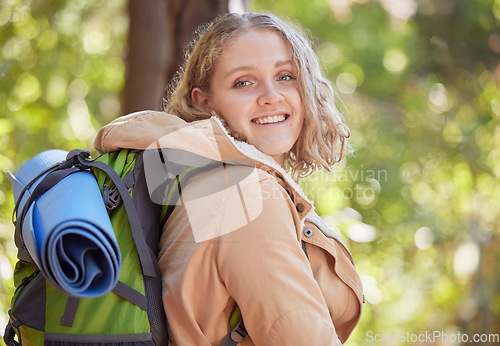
200,99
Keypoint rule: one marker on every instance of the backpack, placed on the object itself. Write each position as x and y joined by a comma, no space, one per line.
132,314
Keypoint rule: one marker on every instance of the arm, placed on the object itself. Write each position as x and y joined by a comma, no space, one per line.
266,272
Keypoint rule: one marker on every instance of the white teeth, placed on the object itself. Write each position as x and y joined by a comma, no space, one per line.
270,119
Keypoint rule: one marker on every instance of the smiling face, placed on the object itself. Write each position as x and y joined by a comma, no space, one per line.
254,88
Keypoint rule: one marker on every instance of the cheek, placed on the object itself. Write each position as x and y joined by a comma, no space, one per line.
223,107
233,108
298,99
232,113
294,97
301,110
301,124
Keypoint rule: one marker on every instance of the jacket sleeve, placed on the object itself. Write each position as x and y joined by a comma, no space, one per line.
265,270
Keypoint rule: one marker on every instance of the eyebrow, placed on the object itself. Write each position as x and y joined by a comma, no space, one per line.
251,68
284,62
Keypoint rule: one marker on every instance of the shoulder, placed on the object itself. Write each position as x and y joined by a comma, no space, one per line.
231,197
252,183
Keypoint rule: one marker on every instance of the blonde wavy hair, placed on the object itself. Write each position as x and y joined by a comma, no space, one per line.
322,141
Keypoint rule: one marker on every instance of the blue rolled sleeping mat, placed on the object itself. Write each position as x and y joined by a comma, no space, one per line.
67,231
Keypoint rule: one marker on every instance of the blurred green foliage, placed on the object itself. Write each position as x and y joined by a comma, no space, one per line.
418,201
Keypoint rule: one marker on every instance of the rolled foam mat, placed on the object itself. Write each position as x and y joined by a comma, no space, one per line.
67,231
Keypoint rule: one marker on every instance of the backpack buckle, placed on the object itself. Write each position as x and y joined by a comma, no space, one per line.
9,334
239,332
111,197
76,157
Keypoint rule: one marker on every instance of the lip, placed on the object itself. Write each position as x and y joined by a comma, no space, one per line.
285,114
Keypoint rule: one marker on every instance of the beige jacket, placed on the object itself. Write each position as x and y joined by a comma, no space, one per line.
236,238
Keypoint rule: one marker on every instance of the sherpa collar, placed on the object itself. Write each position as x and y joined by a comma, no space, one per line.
255,154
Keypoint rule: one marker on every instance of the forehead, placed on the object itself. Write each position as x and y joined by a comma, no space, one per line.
251,47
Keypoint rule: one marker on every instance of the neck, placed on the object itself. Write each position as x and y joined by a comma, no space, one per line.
280,159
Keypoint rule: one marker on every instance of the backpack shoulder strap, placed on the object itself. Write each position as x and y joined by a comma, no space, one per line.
148,267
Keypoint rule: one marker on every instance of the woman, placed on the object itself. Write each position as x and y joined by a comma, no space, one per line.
250,95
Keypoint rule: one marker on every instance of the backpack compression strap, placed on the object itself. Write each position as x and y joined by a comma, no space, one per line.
54,174
148,267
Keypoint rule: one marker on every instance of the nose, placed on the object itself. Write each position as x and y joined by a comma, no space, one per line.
269,94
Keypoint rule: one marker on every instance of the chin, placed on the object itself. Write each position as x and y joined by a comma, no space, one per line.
275,153
274,148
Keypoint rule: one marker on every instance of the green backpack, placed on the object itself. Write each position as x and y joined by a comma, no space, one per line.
132,314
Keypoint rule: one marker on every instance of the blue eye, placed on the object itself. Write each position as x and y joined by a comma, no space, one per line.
286,77
241,83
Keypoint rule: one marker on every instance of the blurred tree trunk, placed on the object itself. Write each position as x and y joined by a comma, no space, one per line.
159,33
